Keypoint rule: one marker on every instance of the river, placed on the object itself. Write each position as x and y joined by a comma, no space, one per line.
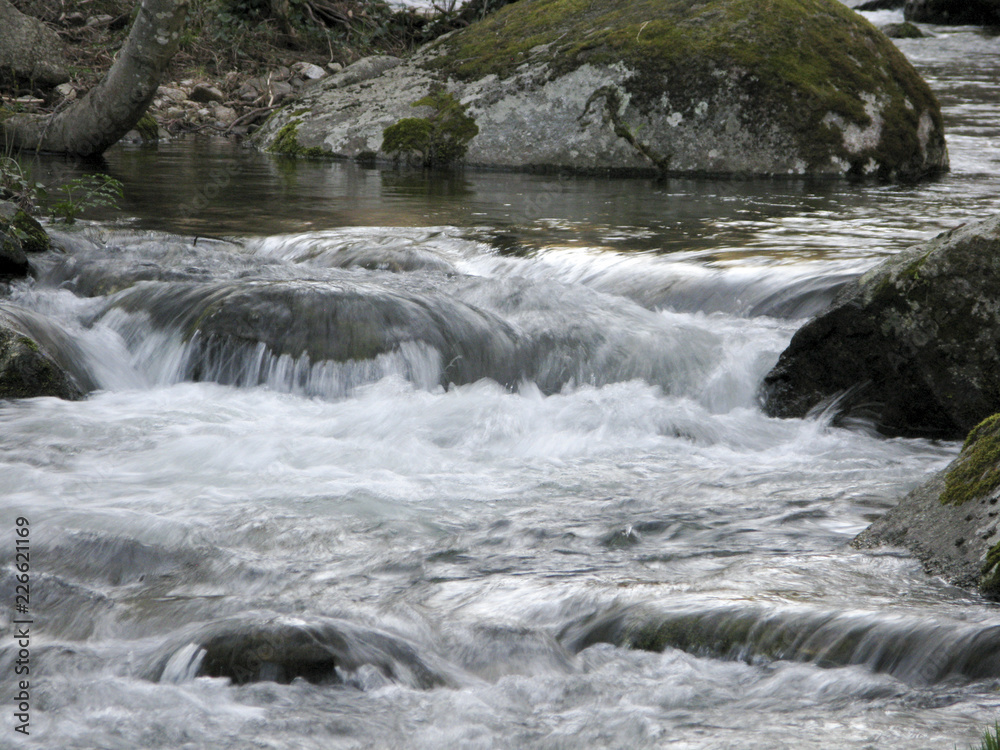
567,524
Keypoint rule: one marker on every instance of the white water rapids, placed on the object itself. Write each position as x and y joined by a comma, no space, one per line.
533,504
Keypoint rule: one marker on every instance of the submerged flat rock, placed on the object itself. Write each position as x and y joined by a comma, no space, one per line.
718,87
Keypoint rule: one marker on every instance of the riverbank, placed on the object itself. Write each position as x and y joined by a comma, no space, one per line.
238,59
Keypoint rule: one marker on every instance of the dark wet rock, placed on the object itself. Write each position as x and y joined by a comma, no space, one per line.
621,538
13,262
36,358
206,93
676,88
950,522
913,345
30,52
879,5
280,649
904,30
954,12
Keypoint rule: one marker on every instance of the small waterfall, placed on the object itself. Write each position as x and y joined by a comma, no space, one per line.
910,649
296,315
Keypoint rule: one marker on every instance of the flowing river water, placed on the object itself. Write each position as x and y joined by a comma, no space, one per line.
477,461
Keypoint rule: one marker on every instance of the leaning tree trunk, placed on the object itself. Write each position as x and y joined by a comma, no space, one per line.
90,125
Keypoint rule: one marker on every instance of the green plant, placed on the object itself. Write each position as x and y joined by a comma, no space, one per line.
438,140
89,191
16,184
991,738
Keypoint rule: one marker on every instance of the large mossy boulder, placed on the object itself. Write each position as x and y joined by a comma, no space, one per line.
950,523
954,12
913,345
645,86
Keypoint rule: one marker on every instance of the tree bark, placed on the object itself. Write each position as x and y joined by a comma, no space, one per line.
90,125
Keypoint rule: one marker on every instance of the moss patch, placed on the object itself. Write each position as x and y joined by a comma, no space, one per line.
438,140
800,60
976,471
31,234
148,128
989,583
286,143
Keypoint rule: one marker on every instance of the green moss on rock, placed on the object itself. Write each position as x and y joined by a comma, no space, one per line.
27,372
286,143
976,472
989,582
148,128
33,237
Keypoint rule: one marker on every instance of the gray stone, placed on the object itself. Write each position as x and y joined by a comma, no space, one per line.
694,88
168,93
204,93
29,49
953,12
310,71
363,70
913,345
225,115
250,90
278,91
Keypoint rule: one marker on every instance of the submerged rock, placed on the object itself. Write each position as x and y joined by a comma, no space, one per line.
904,30
719,87
955,12
281,649
913,345
234,329
912,650
950,522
